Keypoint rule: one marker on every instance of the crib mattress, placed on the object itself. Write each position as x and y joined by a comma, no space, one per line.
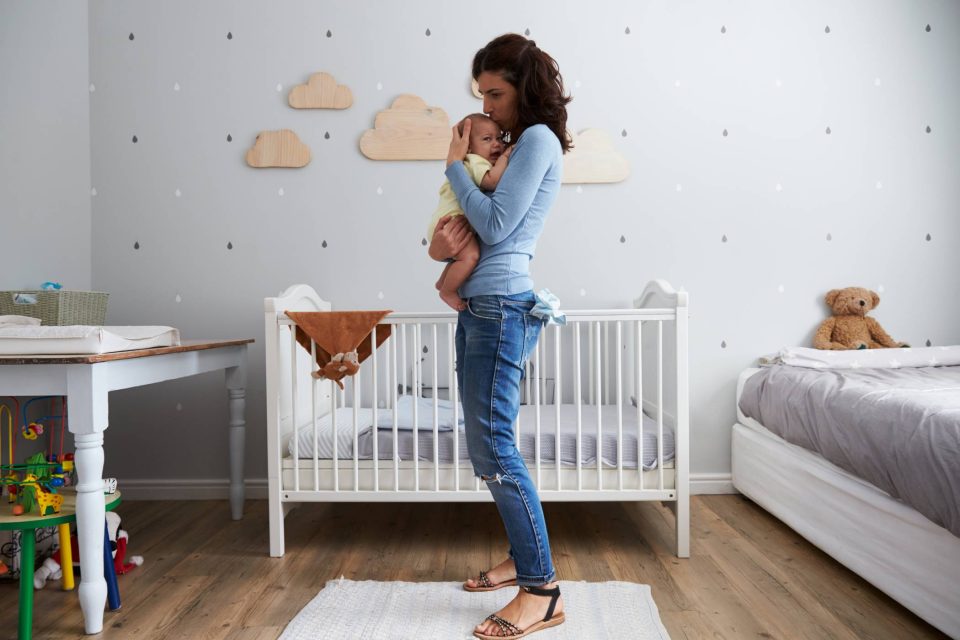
82,339
608,428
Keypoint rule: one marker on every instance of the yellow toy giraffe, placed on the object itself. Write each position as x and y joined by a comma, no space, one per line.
48,502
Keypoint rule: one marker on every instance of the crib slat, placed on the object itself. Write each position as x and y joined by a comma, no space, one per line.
619,406
336,452
558,400
294,374
536,411
660,404
416,414
639,397
393,394
314,382
356,431
578,395
436,413
454,396
376,411
599,442
590,355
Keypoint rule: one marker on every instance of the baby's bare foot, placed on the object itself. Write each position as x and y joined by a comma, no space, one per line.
452,299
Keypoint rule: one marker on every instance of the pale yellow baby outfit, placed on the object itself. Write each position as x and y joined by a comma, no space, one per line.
477,167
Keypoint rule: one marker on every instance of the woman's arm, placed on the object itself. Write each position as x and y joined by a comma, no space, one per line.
495,216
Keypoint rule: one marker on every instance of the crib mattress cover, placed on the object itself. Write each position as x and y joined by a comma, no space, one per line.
446,440
897,428
82,339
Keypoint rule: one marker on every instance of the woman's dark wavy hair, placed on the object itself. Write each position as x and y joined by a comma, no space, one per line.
536,76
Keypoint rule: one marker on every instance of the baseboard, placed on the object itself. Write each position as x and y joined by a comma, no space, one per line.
711,483
189,489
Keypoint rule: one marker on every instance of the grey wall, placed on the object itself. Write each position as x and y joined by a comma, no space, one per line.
871,203
45,150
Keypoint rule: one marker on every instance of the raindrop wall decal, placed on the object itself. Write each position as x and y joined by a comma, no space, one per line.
929,238
526,32
131,36
929,129
324,244
229,35
329,33
229,138
826,29
929,344
134,139
427,33
829,237
627,31
136,245
229,245
723,344
326,135
828,131
723,29
724,238
623,239
725,133
423,241
927,29
623,133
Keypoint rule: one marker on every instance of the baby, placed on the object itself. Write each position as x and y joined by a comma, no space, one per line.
485,162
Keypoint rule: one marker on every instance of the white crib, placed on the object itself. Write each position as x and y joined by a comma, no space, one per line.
579,396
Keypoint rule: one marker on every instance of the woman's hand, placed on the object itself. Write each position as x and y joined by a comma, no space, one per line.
459,144
450,237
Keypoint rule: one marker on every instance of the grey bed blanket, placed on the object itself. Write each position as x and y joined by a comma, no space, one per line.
898,429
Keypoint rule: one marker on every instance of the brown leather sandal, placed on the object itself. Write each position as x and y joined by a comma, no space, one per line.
510,630
486,585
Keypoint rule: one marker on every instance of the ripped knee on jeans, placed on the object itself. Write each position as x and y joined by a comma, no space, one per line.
495,478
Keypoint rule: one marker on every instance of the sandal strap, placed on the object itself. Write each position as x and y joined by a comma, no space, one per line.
484,580
553,594
505,625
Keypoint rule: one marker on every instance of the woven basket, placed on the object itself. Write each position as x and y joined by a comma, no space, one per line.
57,307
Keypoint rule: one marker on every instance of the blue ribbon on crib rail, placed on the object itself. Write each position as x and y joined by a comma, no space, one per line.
547,307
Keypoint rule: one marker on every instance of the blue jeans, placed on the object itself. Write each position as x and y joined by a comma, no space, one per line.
495,336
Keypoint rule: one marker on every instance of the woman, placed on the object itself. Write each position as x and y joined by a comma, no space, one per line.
523,93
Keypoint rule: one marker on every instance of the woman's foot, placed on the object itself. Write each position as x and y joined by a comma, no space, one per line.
523,612
502,575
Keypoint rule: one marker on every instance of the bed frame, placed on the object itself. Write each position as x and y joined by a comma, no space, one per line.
600,358
889,544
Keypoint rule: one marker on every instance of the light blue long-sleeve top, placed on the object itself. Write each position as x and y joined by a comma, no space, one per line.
508,221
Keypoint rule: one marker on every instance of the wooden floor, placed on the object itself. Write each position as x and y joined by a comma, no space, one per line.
205,576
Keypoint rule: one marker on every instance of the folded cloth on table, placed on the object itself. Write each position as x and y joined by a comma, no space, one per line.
19,321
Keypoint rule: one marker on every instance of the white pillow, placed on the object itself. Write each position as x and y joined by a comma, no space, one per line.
895,358
19,320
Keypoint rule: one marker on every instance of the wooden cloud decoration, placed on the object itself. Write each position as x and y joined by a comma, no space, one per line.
408,130
320,92
278,149
594,159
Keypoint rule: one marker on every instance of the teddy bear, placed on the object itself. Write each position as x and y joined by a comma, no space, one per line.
50,569
849,327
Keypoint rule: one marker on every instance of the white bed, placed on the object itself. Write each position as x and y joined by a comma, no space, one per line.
888,543
579,389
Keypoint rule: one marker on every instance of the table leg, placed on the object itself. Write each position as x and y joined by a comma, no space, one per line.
28,551
237,437
66,556
90,519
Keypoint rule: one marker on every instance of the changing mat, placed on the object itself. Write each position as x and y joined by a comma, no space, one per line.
82,339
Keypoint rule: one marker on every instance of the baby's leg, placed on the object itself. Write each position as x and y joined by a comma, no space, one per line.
457,272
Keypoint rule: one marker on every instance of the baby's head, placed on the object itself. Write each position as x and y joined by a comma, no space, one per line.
484,136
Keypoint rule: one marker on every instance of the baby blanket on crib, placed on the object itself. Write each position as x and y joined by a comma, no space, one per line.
343,339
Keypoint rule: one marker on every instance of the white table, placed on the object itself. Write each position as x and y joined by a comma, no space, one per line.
86,381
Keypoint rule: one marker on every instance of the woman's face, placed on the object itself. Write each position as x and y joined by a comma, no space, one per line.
499,99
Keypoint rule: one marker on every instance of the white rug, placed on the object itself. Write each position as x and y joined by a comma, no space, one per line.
428,610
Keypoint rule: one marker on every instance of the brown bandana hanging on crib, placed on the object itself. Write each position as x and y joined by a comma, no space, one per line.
343,339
